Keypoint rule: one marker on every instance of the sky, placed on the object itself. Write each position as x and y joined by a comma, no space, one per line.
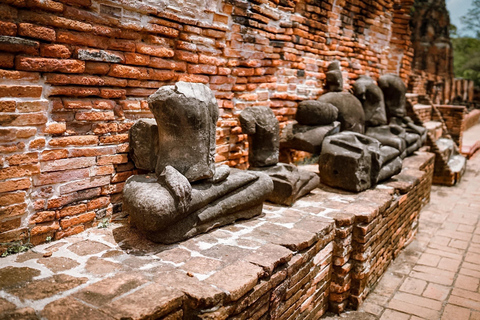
457,9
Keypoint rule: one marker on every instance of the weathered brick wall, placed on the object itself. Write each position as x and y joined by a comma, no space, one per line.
75,74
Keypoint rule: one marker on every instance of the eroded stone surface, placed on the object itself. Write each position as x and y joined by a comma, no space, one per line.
70,308
57,264
15,276
104,291
44,288
100,266
87,247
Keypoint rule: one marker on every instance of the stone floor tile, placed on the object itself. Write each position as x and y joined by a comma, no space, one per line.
473,258
412,309
100,266
464,302
449,264
151,301
459,244
47,287
390,314
436,291
418,300
466,282
70,308
414,286
429,259
452,312
470,272
87,247
466,228
15,276
372,308
56,264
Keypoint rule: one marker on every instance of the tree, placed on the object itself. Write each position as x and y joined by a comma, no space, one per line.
466,62
472,19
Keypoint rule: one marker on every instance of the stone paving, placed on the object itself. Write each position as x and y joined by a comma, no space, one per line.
438,275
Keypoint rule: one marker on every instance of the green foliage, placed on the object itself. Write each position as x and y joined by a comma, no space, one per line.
103,224
16,247
466,63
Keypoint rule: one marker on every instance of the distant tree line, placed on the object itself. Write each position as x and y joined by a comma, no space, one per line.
466,49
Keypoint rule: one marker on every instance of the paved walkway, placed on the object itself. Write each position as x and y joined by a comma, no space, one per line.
438,275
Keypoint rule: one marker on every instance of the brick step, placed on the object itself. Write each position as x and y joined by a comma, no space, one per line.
435,128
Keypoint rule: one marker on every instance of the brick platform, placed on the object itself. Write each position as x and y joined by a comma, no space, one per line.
329,249
437,276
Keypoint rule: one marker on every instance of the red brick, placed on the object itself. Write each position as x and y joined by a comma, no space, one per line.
186,56
98,203
37,143
88,183
121,71
69,232
55,51
103,128
43,216
7,106
67,164
10,224
71,210
8,28
49,65
114,139
202,69
193,78
73,141
54,154
45,228
20,91
23,133
84,80
36,32
102,170
74,104
123,176
80,219
113,93
32,106
137,59
19,171
6,60
30,119
113,188
72,197
74,91
95,116
165,31
104,104
56,128
22,158
13,211
167,64
157,51
112,159
100,68
60,176
15,44
13,185
7,199
91,152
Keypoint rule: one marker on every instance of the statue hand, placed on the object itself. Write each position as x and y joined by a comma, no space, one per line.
221,173
179,186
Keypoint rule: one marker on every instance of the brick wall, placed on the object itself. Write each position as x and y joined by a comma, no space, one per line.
75,74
